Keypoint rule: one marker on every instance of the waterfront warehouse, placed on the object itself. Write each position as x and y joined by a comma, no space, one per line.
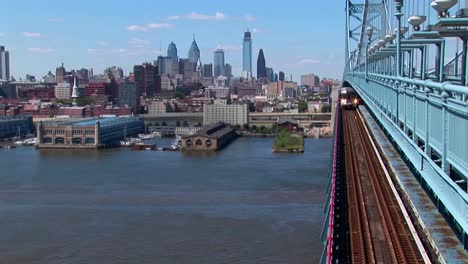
212,137
11,126
90,134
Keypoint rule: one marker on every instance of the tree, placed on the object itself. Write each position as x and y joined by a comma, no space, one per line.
199,124
326,108
237,126
156,124
246,126
302,106
164,123
253,128
178,123
185,124
84,101
179,95
274,127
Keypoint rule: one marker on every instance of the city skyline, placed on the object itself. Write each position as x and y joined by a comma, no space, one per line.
40,42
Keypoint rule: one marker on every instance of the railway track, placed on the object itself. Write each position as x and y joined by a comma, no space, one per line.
380,231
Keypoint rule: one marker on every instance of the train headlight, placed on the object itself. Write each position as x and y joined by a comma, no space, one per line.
355,101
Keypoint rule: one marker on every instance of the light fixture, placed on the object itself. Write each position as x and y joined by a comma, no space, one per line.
403,30
381,43
442,6
416,21
389,38
369,31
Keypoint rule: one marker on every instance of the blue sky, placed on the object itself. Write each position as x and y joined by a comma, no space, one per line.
297,36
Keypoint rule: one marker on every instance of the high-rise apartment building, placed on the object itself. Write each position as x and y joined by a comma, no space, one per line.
4,64
237,114
128,95
261,68
247,53
147,79
63,90
218,61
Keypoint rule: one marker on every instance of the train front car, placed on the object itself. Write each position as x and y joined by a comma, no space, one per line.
349,99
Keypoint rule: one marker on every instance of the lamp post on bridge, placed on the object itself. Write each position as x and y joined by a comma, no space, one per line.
369,32
398,15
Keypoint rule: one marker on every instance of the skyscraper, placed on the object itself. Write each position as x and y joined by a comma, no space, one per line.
270,74
218,62
228,70
261,68
281,76
247,53
194,52
147,79
172,52
60,74
4,64
208,70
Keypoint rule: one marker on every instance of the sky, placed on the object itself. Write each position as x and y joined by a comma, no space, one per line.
297,36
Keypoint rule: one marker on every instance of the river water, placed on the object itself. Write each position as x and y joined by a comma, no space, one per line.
244,204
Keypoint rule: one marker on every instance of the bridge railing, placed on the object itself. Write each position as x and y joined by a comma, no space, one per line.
328,228
429,123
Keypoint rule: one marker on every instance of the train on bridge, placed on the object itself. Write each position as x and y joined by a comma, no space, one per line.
349,99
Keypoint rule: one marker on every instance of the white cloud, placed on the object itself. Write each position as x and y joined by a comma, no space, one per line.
255,30
148,27
199,16
2,34
107,51
158,25
137,28
308,61
138,43
40,50
249,18
31,34
173,17
103,43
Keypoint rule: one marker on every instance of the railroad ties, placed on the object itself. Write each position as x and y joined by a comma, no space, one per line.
379,230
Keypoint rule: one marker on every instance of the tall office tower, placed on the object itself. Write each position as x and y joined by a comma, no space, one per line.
194,52
172,52
115,72
187,68
270,74
4,64
281,76
261,68
247,53
218,61
208,70
60,74
147,79
228,70
310,80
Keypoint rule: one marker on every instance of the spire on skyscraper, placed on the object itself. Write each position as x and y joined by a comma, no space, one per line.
194,52
75,93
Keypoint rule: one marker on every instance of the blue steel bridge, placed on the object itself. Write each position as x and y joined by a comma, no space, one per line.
398,181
